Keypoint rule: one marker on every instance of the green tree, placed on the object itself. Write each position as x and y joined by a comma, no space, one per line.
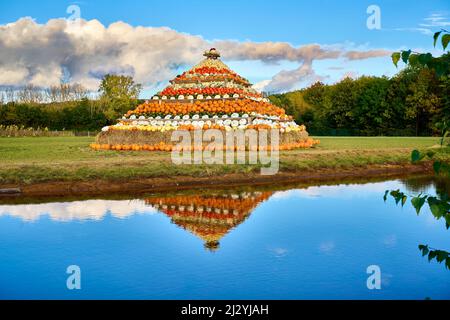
369,112
118,94
341,102
422,102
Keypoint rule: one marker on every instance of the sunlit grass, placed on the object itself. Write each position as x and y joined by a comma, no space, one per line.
28,160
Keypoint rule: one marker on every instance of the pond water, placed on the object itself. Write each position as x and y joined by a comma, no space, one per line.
296,242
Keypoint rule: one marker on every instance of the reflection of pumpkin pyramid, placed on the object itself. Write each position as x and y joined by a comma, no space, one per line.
209,217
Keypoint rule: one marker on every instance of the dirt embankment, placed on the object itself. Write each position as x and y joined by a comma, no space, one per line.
148,185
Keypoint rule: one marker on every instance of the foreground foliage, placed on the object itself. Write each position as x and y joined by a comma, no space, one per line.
439,205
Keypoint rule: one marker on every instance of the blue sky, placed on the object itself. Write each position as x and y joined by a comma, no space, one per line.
299,23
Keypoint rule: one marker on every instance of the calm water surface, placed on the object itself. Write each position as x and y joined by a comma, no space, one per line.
299,243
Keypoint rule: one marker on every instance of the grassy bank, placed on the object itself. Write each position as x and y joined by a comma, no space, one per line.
32,160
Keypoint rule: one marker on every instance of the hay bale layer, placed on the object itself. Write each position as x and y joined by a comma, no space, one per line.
121,137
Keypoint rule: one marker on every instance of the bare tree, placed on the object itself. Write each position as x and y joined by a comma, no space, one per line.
65,92
30,94
79,92
10,94
52,94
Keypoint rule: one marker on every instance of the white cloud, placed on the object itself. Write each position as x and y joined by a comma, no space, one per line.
327,247
434,22
77,210
438,19
342,191
12,76
287,80
424,31
279,252
390,240
261,85
360,55
33,53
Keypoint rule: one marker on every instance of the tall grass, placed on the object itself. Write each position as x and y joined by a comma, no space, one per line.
22,131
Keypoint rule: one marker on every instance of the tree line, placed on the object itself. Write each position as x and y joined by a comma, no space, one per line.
68,107
407,104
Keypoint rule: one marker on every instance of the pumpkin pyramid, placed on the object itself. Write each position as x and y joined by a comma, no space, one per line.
209,217
210,79
208,96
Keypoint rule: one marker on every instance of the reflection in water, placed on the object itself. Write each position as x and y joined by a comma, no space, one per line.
421,184
77,210
310,242
180,207
439,207
209,217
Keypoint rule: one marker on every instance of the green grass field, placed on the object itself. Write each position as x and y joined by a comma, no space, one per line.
29,160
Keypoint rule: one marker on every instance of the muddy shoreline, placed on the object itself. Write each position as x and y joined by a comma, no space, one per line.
95,188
